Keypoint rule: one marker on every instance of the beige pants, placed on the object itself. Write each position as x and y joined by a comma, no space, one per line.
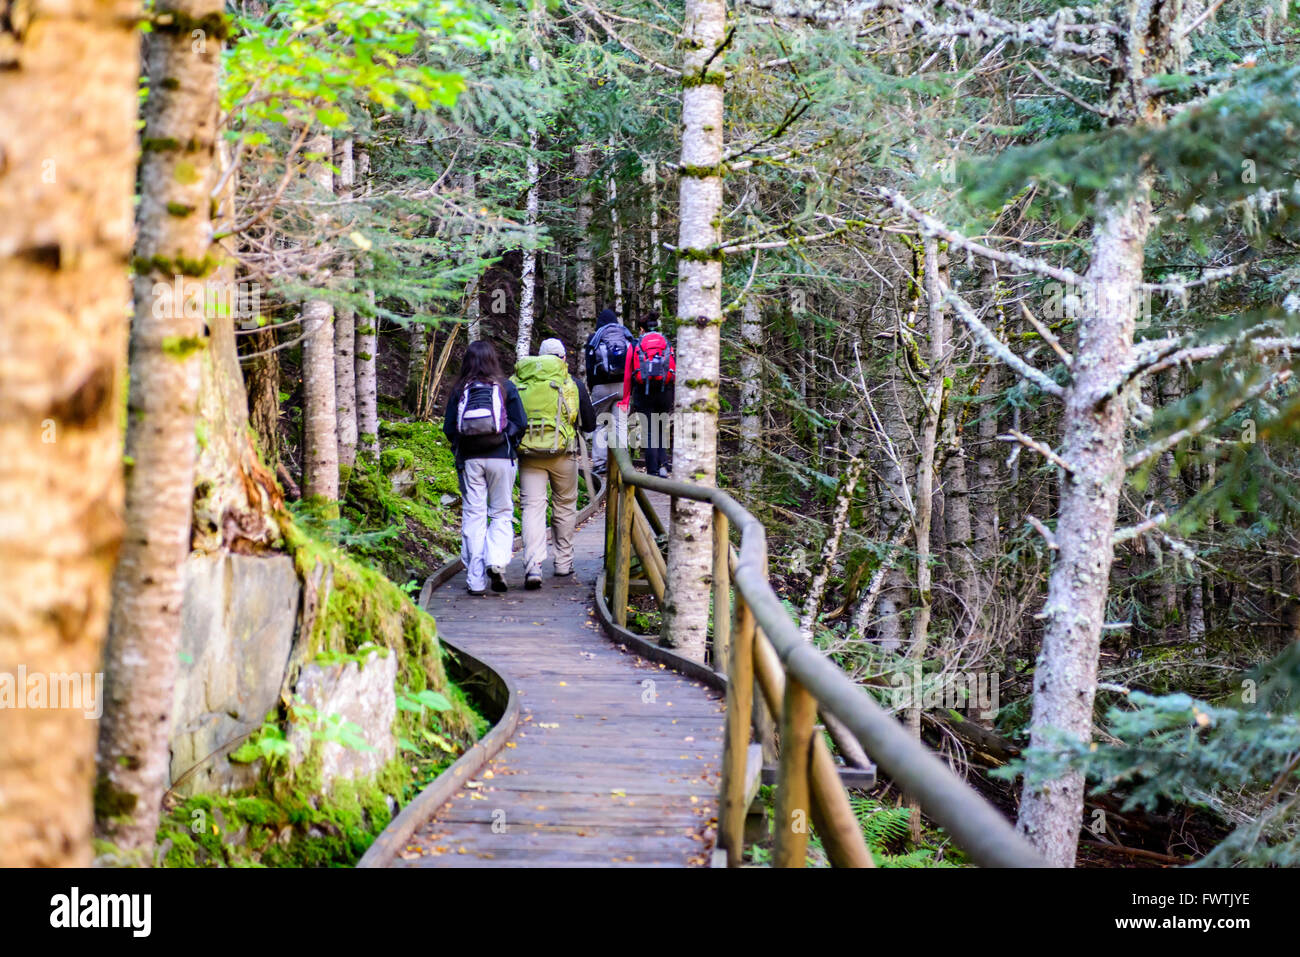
561,472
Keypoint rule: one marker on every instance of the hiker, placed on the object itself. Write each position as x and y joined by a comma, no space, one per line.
483,422
557,406
649,382
607,352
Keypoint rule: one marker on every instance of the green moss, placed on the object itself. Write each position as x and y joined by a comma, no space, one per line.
197,268
159,144
182,347
405,535
179,210
290,818
296,828
395,460
185,173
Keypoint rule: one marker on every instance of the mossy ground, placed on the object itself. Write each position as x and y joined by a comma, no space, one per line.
404,535
291,818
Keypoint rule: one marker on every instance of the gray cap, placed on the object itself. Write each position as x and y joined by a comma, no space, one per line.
551,347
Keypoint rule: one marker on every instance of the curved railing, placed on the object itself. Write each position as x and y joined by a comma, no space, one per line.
755,642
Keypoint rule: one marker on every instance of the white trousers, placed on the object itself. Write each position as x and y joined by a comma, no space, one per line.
487,509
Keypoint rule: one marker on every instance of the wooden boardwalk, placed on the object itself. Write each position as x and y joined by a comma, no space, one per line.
615,762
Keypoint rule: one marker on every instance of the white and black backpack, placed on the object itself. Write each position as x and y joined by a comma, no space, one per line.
481,417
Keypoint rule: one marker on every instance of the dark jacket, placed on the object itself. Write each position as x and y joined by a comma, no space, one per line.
516,426
605,318
586,411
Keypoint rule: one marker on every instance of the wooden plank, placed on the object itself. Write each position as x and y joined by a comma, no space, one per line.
590,753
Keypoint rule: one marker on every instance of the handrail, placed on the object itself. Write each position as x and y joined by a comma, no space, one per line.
811,681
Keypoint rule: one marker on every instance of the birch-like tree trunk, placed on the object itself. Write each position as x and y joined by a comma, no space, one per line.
651,175
320,419
1065,681
699,306
345,326
367,352
751,397
583,169
923,511
528,277
417,355
615,237
172,254
65,234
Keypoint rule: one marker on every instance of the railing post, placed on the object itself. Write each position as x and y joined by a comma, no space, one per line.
740,691
611,526
832,812
721,592
793,811
623,539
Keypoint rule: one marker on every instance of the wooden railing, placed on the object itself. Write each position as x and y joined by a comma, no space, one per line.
755,642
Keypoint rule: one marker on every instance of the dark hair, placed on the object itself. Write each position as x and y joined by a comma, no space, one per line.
479,365
650,320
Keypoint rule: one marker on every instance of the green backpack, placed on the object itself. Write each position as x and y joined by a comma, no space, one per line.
550,399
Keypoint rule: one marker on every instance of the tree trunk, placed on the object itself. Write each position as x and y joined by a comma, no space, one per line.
264,394
345,370
921,517
473,315
652,180
895,440
65,234
615,238
528,278
367,346
751,398
699,303
583,168
1065,681
235,493
174,237
320,420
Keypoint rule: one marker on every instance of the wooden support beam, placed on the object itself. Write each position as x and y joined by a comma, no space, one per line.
832,813
740,691
721,591
793,793
611,532
655,568
623,550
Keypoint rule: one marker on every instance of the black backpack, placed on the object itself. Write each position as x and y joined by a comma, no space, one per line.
607,353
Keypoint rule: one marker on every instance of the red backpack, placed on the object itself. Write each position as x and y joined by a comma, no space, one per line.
653,362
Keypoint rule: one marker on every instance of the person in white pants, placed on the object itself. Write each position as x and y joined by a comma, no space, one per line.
486,462
487,526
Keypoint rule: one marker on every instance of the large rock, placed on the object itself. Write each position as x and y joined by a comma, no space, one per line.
237,629
347,692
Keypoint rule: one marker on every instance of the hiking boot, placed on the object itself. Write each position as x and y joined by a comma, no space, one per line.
476,591
564,572
498,578
532,581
